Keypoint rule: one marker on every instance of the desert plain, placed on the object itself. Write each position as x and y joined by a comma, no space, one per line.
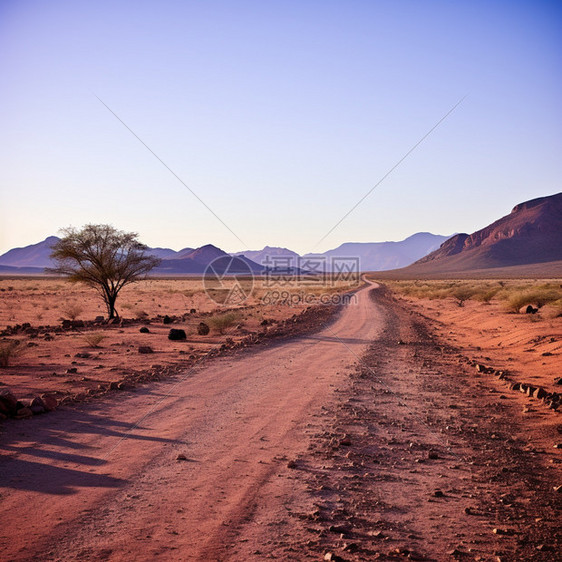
406,423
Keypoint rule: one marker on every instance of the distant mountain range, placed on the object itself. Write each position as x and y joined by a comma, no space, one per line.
380,256
370,256
268,255
530,235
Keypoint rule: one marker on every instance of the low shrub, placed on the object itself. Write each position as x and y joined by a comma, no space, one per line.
72,310
222,322
9,350
539,297
94,339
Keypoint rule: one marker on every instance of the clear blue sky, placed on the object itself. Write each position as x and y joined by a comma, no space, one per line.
279,114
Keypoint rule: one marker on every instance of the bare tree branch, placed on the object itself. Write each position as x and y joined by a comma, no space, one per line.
102,257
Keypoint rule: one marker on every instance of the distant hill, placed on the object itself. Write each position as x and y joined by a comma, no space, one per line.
268,255
530,234
17,271
36,255
196,261
163,253
372,256
379,256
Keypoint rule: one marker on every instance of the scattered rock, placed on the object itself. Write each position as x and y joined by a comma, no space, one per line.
71,371
377,534
439,493
333,557
544,548
167,320
145,349
539,393
530,390
338,529
144,330
37,406
181,457
498,531
531,309
8,403
203,329
50,402
177,334
24,413
291,464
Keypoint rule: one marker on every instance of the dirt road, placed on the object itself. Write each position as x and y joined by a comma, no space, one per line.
356,441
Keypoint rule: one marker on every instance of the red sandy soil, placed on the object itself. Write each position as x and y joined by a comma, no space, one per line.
62,362
529,346
371,439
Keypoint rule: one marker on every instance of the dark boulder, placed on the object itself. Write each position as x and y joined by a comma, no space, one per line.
177,334
37,406
144,330
203,329
50,402
8,403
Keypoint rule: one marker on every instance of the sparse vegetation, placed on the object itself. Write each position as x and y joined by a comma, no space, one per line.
93,339
103,258
222,322
8,351
514,294
537,296
72,310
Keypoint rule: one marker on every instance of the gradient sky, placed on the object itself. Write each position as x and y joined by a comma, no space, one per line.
280,115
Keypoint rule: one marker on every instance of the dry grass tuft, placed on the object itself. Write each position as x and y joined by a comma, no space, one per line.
8,351
94,339
73,310
222,322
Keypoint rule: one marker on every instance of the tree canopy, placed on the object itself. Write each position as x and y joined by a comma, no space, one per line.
102,257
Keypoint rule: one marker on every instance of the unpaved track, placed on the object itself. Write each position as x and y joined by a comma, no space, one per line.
87,484
318,444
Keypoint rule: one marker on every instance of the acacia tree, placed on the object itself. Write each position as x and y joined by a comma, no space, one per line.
102,257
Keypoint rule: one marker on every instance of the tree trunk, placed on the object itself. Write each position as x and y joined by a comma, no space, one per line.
110,303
